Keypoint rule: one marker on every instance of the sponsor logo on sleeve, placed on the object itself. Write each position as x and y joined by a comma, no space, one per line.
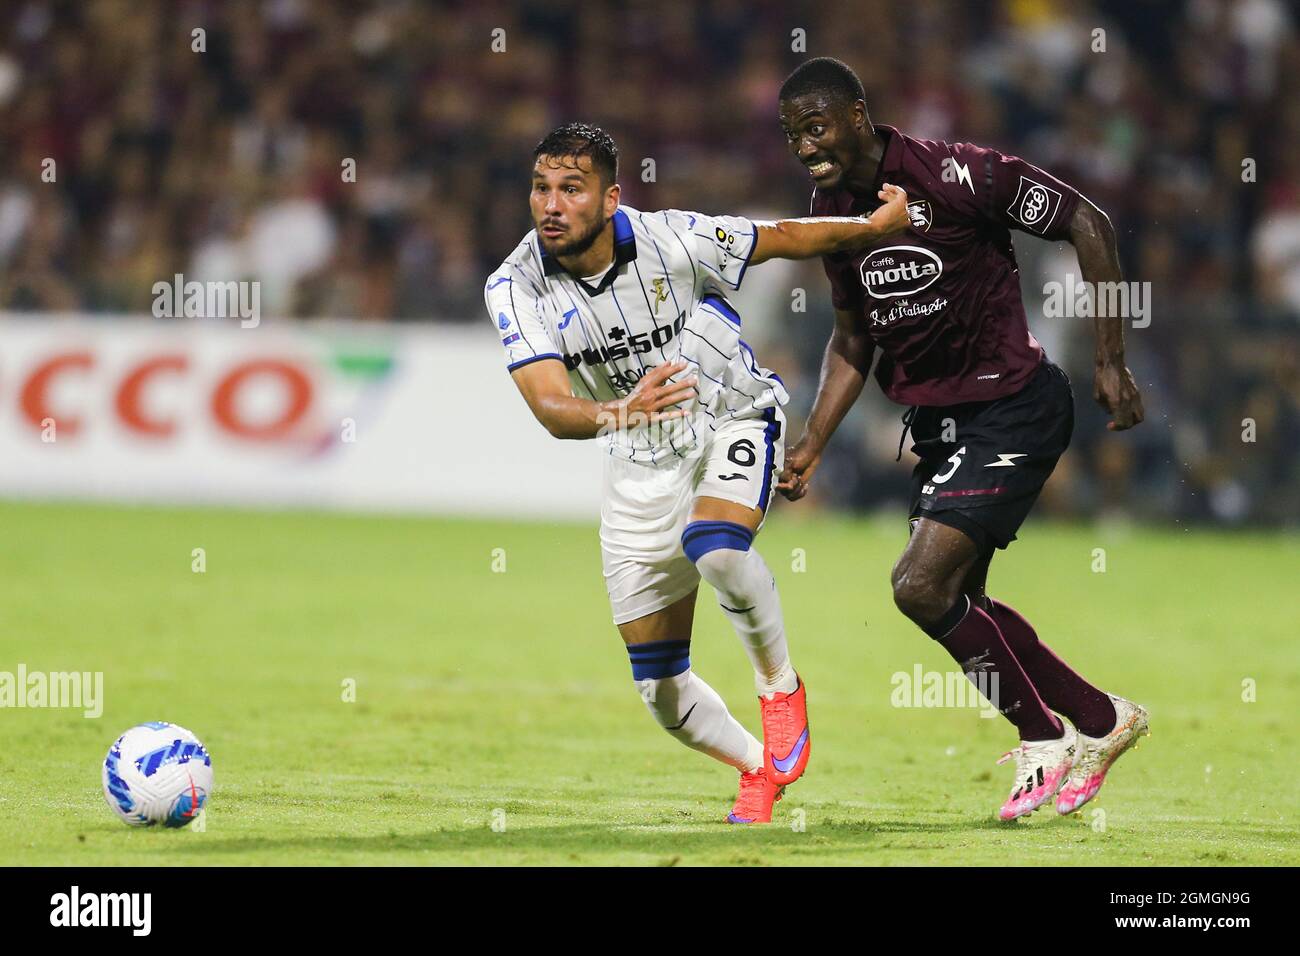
1035,205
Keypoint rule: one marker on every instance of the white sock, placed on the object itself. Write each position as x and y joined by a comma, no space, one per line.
692,711
747,595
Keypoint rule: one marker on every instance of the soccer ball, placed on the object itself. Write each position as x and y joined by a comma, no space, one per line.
157,773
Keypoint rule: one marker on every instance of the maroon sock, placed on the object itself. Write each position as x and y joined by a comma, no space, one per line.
1088,708
975,643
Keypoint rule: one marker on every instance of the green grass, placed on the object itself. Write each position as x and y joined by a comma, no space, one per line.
479,690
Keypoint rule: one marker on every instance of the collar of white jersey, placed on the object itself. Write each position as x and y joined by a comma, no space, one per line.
624,252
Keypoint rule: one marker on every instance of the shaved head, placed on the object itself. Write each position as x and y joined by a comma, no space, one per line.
826,77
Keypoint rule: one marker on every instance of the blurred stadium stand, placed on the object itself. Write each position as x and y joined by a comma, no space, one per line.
226,164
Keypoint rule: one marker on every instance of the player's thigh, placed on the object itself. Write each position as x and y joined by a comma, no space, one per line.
707,508
737,475
983,464
643,514
673,623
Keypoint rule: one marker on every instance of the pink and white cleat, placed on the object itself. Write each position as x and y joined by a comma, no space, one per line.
1041,767
1096,754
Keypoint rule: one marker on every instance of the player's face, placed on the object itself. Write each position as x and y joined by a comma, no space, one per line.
825,135
570,207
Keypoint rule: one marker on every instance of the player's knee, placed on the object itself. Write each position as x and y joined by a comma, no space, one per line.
723,568
663,699
920,595
718,549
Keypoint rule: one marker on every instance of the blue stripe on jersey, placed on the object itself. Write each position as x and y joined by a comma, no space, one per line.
752,368
534,358
682,242
770,434
699,370
668,276
622,228
723,307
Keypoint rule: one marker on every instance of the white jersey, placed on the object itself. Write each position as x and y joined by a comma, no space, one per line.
662,300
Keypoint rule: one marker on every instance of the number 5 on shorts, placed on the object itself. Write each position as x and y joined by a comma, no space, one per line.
956,463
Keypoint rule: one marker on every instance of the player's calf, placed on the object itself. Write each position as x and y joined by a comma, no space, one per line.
688,708
931,571
746,590
723,554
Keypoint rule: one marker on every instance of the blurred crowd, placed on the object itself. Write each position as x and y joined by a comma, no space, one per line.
370,160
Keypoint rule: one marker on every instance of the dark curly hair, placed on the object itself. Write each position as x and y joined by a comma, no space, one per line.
583,139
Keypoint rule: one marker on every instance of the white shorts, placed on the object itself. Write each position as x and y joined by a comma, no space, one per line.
646,508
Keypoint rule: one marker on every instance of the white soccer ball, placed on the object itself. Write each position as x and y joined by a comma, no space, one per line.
157,773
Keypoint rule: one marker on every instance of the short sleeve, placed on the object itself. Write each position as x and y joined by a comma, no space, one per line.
515,313
1008,190
721,245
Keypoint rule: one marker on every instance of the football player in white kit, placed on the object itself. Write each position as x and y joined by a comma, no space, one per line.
616,327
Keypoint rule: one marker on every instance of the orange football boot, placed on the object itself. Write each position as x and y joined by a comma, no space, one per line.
785,735
754,802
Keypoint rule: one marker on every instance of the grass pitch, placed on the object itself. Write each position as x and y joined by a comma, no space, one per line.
491,687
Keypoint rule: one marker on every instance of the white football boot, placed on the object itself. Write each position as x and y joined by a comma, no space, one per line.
1096,754
1041,768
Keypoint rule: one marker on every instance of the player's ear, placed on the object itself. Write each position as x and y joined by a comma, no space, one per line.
611,199
859,112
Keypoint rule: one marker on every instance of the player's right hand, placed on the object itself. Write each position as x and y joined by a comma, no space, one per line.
1115,390
801,460
654,392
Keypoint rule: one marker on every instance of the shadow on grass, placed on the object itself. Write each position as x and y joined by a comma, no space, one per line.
670,840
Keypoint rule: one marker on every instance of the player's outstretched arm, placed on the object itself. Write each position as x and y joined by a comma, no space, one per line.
823,236
844,371
545,387
1114,389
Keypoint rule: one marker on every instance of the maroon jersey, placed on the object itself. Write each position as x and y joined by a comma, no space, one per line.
942,300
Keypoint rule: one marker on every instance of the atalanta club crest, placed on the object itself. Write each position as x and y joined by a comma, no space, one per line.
919,213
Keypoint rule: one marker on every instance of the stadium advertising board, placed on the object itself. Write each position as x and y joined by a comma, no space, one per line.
343,415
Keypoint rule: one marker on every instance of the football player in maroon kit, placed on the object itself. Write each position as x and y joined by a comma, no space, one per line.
989,413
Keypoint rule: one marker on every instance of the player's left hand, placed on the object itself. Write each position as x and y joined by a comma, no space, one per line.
1115,390
892,216
801,460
